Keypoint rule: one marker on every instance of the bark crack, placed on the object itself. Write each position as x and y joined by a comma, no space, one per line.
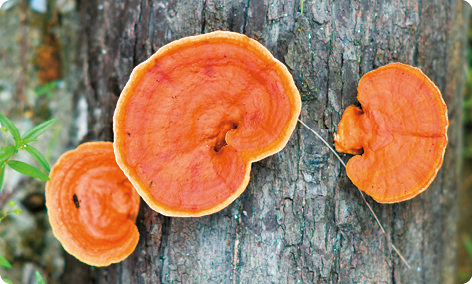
237,247
342,86
330,51
203,17
231,20
392,237
418,31
151,29
166,227
245,15
135,53
446,40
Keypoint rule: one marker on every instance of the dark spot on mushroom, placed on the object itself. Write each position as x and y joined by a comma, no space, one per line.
150,184
129,134
76,201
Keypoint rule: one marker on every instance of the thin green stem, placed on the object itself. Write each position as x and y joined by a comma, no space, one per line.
301,7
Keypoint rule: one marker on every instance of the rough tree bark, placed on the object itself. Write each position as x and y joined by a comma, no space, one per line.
300,220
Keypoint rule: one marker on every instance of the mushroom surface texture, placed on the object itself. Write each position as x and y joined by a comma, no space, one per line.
92,207
195,115
399,136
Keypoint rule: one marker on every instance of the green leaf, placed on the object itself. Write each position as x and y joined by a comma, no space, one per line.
38,157
468,245
2,175
8,281
28,141
46,89
4,262
11,203
39,277
17,211
7,152
10,127
24,168
34,132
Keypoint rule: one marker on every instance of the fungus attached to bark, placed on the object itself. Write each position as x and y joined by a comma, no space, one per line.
92,206
401,133
195,115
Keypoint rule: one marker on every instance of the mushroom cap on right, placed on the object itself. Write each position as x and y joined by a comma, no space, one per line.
399,136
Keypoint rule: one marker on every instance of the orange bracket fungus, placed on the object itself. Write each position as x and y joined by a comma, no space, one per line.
92,206
196,114
399,136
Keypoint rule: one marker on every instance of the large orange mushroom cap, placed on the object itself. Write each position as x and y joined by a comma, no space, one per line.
196,114
401,130
92,207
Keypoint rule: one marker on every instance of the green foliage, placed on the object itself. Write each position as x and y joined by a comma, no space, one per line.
464,274
10,127
468,245
34,132
4,262
22,143
46,89
39,277
2,176
24,168
38,157
11,210
7,152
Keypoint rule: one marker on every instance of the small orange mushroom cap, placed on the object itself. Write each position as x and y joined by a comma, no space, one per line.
92,207
401,133
196,114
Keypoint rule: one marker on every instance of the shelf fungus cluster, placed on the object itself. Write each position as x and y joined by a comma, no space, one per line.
188,125
399,136
195,116
92,206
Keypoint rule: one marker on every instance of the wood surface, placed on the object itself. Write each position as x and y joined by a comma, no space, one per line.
300,220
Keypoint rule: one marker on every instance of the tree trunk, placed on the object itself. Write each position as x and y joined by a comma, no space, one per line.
300,220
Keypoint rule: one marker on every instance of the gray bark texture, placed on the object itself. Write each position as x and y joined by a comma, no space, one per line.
300,220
